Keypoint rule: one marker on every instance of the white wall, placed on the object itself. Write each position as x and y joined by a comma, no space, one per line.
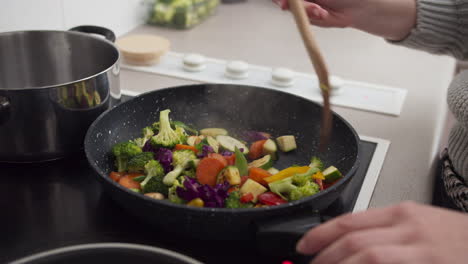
119,15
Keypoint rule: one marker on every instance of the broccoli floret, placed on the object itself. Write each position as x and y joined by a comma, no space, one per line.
233,201
138,162
283,187
315,162
147,134
167,137
181,160
189,173
175,124
290,191
306,190
301,179
123,152
155,185
154,176
172,193
182,134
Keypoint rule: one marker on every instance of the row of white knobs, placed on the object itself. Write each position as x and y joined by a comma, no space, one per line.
239,70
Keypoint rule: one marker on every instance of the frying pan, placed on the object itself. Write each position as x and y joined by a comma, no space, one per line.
236,108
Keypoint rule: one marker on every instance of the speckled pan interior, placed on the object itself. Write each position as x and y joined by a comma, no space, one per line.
236,108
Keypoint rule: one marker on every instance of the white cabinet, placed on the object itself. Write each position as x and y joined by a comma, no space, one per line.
30,14
121,16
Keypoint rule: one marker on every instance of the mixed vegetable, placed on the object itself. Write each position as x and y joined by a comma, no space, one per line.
210,168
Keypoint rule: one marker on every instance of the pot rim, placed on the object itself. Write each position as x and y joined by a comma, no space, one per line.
111,245
107,42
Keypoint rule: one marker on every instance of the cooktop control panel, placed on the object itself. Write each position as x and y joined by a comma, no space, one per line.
345,93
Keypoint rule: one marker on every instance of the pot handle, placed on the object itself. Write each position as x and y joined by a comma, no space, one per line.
279,237
4,109
107,33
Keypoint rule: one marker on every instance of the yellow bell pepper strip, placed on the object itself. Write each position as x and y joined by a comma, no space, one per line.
288,172
197,202
318,176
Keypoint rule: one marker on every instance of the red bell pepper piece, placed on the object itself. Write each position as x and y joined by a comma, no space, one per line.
246,198
270,198
320,183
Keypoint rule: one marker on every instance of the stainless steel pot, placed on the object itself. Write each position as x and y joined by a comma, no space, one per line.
53,84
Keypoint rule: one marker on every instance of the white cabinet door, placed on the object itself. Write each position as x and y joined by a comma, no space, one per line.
31,14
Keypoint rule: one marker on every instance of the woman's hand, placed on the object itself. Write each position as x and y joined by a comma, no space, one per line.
392,19
405,233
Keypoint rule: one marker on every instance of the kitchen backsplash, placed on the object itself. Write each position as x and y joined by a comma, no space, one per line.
121,16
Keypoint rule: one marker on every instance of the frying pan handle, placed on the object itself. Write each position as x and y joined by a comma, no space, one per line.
107,33
279,237
4,109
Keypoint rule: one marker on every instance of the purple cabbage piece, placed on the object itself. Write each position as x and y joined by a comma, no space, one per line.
252,136
148,147
163,155
205,151
227,153
212,196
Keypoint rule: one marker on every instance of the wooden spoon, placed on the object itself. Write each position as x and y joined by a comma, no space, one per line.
303,24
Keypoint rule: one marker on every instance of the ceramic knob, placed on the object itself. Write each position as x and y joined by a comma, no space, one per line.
282,77
194,62
237,70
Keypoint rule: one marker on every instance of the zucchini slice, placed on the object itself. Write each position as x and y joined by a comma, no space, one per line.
273,171
253,187
331,174
214,132
213,143
231,143
230,174
269,148
286,143
265,163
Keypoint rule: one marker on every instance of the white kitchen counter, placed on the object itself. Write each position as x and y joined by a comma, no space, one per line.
260,33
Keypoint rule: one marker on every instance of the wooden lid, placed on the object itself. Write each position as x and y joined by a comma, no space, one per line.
142,49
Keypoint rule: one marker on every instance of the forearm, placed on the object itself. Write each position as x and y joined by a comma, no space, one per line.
390,19
441,28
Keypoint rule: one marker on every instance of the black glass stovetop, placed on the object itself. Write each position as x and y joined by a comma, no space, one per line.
60,203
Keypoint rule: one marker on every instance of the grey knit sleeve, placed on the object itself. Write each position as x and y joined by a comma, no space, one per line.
441,28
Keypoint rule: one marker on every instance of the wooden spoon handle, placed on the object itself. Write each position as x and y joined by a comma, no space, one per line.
303,24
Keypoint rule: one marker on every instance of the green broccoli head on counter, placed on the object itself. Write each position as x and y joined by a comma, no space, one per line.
167,137
123,152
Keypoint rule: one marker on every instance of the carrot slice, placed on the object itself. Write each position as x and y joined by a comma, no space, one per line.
218,157
180,146
258,175
128,182
208,170
256,149
231,160
115,176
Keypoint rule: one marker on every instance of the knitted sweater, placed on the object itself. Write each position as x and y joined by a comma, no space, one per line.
442,28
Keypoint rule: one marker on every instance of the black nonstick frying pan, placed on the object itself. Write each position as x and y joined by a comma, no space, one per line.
236,108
